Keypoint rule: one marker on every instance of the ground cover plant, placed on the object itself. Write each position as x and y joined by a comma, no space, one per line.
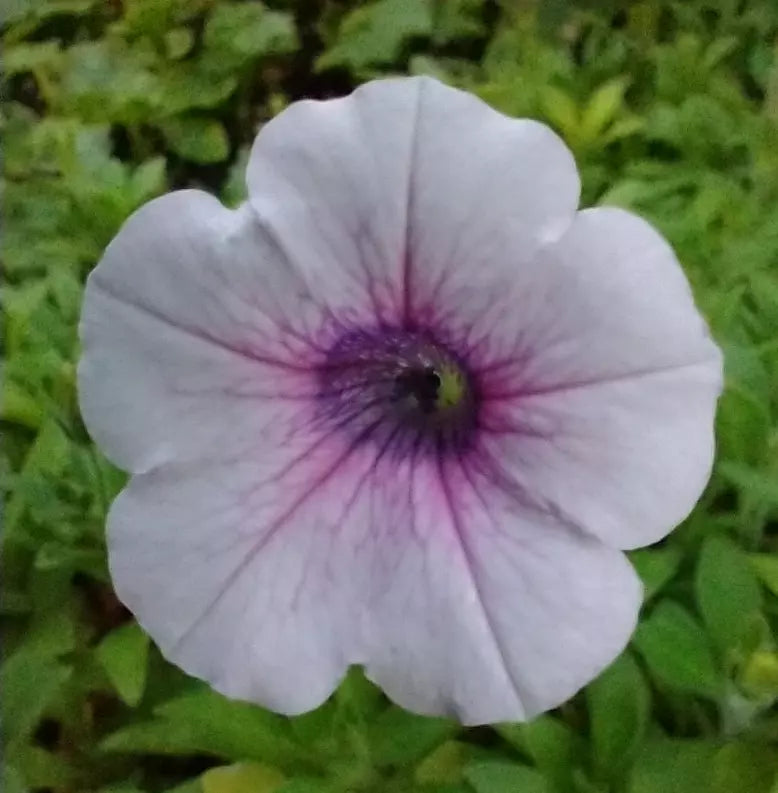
671,109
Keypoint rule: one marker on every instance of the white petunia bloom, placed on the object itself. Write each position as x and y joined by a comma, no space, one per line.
404,408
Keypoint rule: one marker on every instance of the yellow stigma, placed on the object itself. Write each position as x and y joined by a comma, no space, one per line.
451,389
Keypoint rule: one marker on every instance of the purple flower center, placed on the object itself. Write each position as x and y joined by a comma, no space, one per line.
400,389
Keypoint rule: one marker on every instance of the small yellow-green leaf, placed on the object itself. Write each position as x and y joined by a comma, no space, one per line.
655,568
759,675
676,650
727,592
242,778
619,703
744,766
505,777
123,654
444,765
602,108
766,567
201,140
561,110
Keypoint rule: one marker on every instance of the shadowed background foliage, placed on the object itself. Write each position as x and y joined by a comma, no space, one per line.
671,108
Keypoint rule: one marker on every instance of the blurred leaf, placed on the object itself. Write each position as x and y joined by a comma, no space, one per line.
29,683
759,675
242,778
190,786
744,766
43,769
11,779
673,766
56,556
178,42
374,33
504,777
676,650
727,592
311,785
197,139
443,765
240,32
602,108
753,483
553,746
655,568
234,191
30,57
397,737
359,700
561,110
147,181
15,10
124,656
204,721
619,708
766,567
455,19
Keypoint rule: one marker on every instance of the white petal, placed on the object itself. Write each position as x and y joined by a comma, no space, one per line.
606,415
404,188
494,612
268,579
189,320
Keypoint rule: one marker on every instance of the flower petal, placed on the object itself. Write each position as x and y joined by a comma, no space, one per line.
605,413
495,612
189,320
403,189
269,581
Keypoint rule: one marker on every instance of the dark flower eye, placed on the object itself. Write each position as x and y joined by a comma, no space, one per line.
421,385
404,408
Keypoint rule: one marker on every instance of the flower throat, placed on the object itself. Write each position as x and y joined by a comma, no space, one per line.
398,388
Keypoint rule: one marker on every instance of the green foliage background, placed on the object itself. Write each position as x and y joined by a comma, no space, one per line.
671,108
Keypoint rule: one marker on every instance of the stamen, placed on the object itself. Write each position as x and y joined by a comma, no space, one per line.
406,386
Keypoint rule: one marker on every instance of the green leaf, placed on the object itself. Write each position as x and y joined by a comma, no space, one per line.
123,654
11,779
59,556
744,766
375,33
504,777
358,699
197,139
43,769
443,765
766,567
754,483
673,766
178,42
190,786
147,181
677,652
655,567
457,19
29,57
307,785
19,407
602,108
619,707
727,592
550,743
30,683
15,10
242,778
237,33
397,737
204,721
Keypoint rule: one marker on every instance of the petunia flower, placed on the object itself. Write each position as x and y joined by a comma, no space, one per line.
404,408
